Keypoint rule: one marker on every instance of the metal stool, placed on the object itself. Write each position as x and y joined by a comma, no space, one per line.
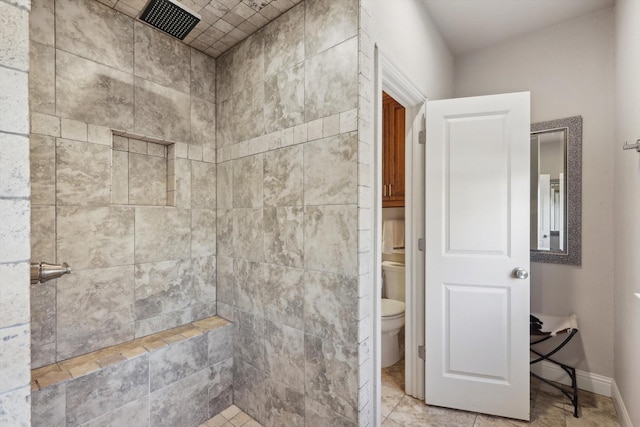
544,328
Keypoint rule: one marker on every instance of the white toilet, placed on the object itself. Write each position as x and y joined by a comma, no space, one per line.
392,311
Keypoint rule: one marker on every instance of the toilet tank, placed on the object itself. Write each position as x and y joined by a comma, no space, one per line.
393,280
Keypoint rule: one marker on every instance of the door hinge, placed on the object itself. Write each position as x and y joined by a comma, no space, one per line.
421,245
422,137
421,353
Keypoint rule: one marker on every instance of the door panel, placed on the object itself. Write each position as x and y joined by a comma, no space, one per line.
475,181
477,232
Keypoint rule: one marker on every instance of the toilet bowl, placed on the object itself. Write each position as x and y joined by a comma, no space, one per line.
393,308
392,322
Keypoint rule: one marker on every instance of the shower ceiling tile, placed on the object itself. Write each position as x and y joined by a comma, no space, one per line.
223,23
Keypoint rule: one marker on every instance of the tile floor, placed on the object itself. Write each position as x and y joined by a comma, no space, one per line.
231,417
549,408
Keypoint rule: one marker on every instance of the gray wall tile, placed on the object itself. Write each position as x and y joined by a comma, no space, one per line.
248,343
42,78
249,278
283,236
220,344
43,321
203,123
331,375
162,234
135,413
283,177
224,182
284,407
175,362
161,111
203,76
162,287
43,169
120,177
338,154
226,123
224,238
248,113
41,27
220,385
284,99
161,58
92,92
103,301
284,289
171,319
284,352
112,236
96,32
204,279
328,23
83,173
247,182
284,41
94,394
48,406
203,185
331,306
203,232
248,234
249,389
169,403
317,414
330,239
43,233
226,285
147,180
75,345
331,81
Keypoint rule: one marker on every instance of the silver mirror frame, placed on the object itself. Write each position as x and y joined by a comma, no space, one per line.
574,192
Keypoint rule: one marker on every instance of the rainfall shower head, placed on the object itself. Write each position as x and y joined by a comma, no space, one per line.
170,17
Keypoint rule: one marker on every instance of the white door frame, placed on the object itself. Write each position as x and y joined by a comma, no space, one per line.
391,79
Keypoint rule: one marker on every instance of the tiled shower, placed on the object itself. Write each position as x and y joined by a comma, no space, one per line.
178,186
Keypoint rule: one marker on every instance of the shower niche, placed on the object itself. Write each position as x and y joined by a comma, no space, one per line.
143,171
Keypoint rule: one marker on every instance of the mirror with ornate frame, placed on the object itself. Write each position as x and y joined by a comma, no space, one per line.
556,191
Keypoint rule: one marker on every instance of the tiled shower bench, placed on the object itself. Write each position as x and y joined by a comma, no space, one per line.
178,377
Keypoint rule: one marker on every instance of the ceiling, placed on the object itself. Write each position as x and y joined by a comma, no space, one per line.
468,25
223,22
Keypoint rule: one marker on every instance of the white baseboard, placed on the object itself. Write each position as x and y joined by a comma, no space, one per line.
623,415
586,380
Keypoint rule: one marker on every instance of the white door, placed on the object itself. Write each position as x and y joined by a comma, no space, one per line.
477,233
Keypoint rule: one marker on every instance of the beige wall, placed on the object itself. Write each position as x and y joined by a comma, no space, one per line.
134,220
14,204
627,209
406,34
569,70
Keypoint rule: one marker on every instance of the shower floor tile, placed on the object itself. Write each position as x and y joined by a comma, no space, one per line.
231,417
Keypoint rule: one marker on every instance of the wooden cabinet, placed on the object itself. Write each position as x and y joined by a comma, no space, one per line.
393,134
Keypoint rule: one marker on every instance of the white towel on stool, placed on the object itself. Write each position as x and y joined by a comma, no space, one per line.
392,235
553,324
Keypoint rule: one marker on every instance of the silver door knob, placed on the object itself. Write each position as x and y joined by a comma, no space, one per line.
520,273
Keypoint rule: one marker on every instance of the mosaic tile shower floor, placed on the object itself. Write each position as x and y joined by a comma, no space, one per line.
549,408
231,417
